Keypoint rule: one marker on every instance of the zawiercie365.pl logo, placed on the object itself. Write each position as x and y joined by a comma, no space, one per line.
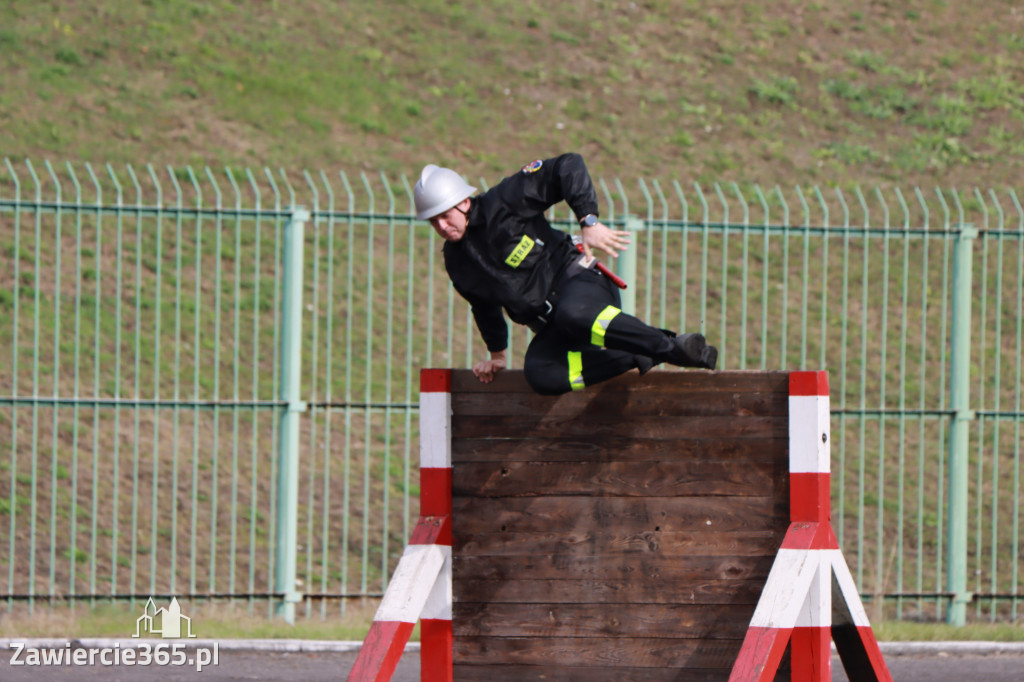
168,622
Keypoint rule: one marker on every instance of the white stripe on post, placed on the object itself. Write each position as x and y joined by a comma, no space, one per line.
783,596
439,603
816,611
848,588
409,589
809,434
435,430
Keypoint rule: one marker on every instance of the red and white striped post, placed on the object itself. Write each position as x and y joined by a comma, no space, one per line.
436,503
796,605
421,588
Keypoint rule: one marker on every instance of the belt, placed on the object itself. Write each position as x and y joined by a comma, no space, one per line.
575,268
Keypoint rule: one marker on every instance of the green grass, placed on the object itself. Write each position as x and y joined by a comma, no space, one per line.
904,631
284,85
225,621
209,621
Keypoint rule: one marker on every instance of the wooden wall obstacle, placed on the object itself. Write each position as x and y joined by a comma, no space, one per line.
624,532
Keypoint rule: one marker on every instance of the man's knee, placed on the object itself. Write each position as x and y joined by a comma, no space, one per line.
546,378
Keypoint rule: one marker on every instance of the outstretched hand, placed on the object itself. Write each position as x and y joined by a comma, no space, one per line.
600,236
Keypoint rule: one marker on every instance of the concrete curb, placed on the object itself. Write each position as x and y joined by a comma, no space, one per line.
332,646
951,648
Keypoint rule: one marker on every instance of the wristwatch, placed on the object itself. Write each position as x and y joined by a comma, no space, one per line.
588,220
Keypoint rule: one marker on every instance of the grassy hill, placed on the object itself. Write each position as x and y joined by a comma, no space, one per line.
923,92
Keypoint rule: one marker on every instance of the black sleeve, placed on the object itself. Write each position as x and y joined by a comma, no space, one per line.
489,320
492,326
542,184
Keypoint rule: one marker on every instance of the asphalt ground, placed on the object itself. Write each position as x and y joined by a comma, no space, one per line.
913,662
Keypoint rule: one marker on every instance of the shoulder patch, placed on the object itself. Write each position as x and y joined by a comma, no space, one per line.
533,166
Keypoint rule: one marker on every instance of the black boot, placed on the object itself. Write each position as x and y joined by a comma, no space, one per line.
709,357
644,363
692,350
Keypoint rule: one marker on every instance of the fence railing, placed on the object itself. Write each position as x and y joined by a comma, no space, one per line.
208,382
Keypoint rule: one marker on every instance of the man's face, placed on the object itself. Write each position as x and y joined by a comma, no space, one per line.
452,223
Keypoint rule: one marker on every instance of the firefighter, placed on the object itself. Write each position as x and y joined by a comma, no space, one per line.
501,253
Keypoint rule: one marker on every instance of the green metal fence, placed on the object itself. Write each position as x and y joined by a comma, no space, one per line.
208,379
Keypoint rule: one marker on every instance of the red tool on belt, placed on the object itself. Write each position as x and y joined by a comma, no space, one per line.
619,282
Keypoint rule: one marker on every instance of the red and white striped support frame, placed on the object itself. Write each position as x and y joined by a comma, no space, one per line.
797,603
421,588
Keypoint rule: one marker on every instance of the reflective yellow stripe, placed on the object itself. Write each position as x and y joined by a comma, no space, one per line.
576,370
601,324
521,251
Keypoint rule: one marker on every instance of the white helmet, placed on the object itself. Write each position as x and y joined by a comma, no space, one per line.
437,190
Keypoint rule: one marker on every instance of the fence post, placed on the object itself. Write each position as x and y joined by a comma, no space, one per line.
288,443
625,265
959,400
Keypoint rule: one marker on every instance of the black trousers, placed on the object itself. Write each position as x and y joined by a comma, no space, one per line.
588,339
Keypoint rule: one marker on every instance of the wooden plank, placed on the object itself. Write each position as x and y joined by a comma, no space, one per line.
678,621
513,381
634,479
610,592
640,652
655,402
643,427
507,381
674,571
613,448
612,542
627,514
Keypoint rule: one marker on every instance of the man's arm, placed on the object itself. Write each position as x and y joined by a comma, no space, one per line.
494,331
490,321
566,177
543,184
492,326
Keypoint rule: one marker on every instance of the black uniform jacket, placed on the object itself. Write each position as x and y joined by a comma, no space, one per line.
510,257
